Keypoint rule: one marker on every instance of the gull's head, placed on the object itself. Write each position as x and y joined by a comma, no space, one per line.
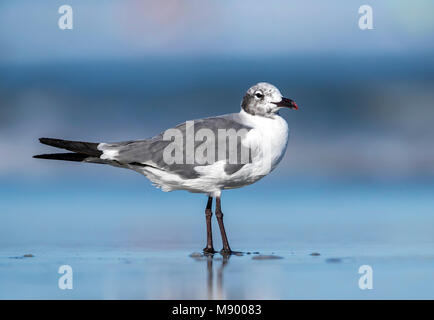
264,99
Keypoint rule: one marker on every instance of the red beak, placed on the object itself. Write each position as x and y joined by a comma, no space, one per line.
287,103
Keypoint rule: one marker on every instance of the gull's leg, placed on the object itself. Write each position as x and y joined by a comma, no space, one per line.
208,213
219,214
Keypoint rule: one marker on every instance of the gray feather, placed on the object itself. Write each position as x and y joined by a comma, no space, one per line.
150,151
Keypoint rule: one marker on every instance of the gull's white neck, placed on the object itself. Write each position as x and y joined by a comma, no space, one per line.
256,121
270,134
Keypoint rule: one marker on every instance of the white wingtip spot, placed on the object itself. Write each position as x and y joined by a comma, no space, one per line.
108,154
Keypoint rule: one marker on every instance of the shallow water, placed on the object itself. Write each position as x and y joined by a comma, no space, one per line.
128,241
114,273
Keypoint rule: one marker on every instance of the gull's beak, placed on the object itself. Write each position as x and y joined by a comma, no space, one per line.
287,103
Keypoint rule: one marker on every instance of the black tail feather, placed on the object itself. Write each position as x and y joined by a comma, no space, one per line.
87,148
78,157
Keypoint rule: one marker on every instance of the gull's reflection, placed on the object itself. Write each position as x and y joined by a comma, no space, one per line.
220,262
215,265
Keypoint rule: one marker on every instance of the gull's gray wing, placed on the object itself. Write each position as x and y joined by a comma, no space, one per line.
149,152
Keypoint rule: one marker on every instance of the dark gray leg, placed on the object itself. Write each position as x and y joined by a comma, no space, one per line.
219,215
208,213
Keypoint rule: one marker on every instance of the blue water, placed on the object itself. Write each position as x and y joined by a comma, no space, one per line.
125,239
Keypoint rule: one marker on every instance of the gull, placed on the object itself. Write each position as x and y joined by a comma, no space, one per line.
181,158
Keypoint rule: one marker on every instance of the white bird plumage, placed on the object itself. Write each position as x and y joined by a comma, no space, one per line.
266,138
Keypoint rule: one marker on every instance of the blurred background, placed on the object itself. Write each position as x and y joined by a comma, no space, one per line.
359,169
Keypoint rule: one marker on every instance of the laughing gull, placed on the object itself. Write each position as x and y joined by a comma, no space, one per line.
249,145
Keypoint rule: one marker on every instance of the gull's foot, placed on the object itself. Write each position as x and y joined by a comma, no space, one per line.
229,252
226,252
209,250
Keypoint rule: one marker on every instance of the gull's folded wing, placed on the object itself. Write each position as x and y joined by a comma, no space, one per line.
150,152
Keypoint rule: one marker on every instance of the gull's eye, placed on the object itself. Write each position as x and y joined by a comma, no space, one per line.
259,94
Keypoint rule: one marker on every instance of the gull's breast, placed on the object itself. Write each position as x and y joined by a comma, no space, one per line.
269,138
